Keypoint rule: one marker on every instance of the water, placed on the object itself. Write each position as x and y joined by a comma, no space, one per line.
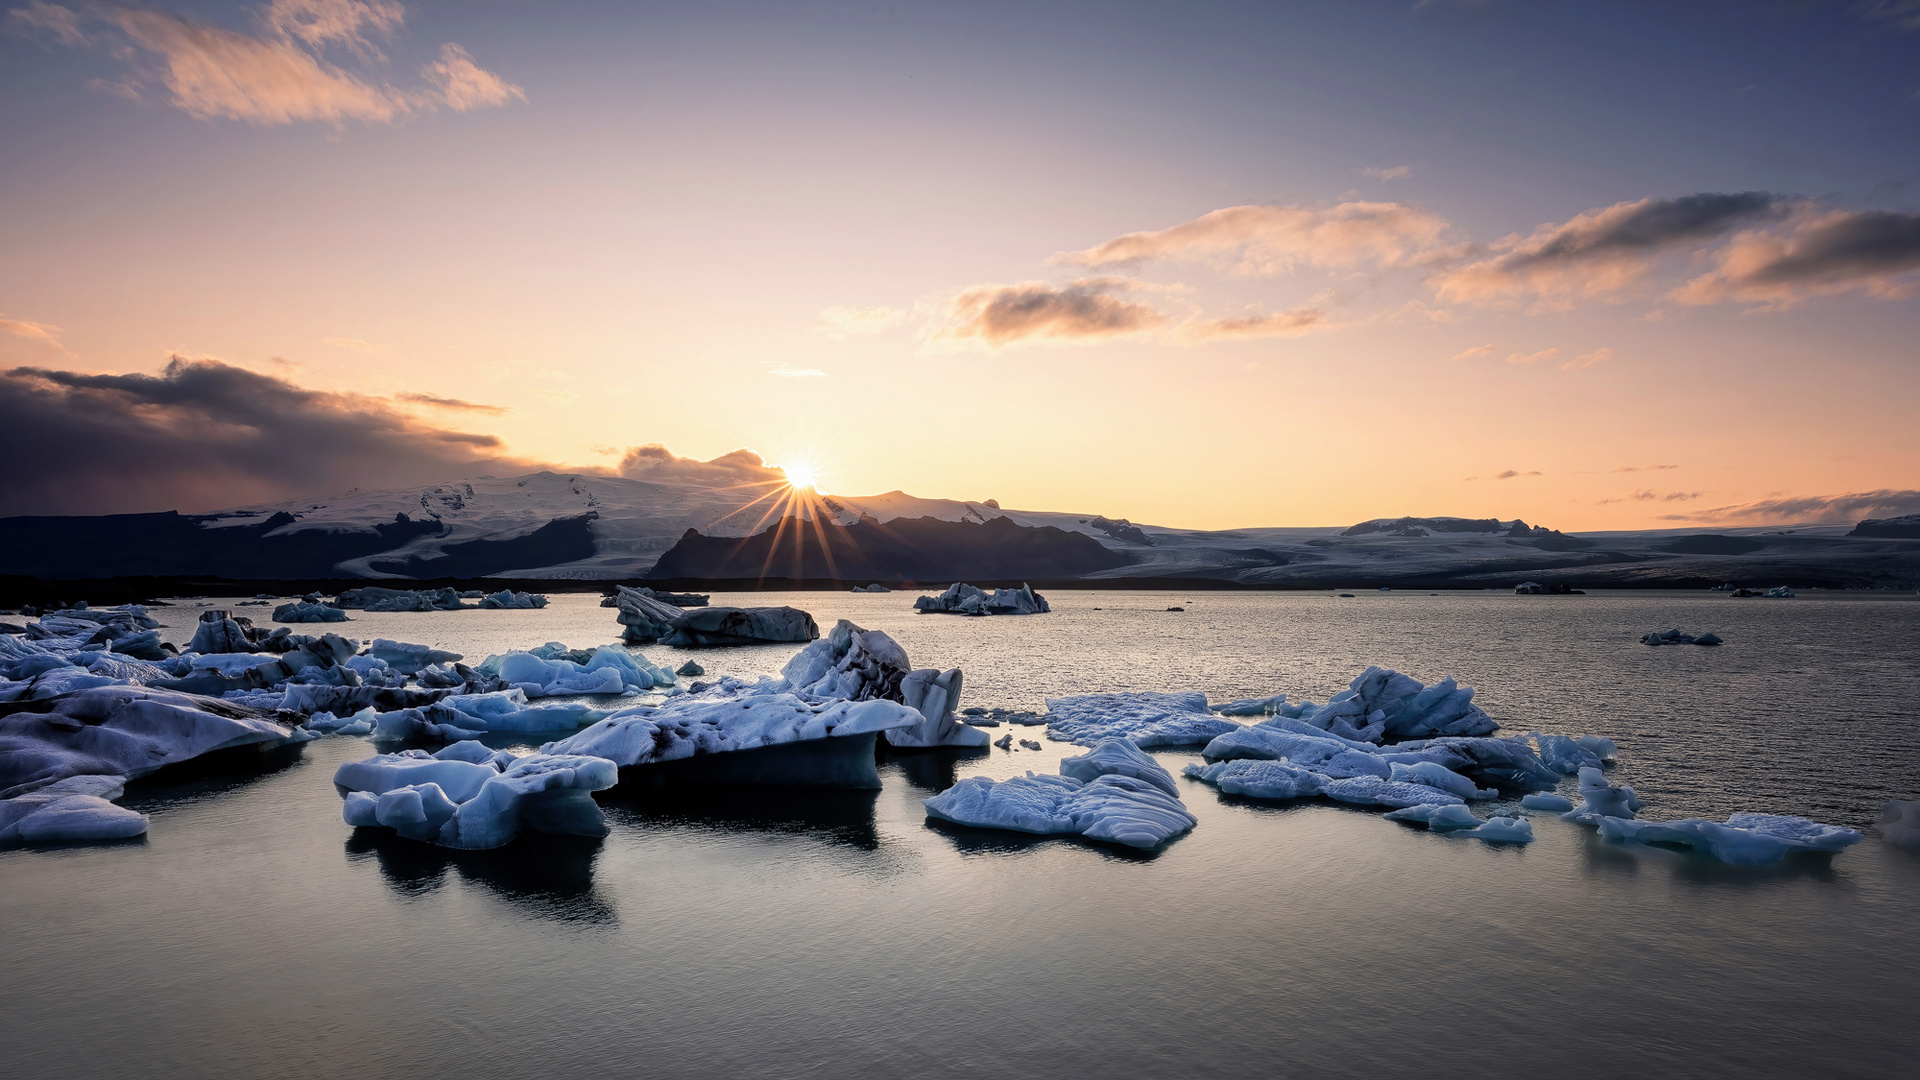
768,933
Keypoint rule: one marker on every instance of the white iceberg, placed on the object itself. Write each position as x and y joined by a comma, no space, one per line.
1458,822
1602,799
964,599
1260,778
1546,800
301,611
70,811
124,731
1744,840
1119,801
608,670
1145,718
858,665
408,658
466,716
486,807
645,617
1900,823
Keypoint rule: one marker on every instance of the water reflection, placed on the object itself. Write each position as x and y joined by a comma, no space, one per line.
541,874
969,840
1699,868
839,816
208,776
933,770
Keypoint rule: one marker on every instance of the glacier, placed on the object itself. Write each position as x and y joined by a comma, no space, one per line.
1116,794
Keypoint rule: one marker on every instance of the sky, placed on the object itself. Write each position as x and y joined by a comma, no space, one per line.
1595,265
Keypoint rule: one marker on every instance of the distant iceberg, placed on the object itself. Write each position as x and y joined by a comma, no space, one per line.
510,600
1116,794
375,598
1678,637
717,626
963,599
301,611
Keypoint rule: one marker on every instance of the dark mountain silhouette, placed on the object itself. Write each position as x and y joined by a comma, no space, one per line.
125,545
904,549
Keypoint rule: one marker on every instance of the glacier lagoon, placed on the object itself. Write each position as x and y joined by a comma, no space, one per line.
778,933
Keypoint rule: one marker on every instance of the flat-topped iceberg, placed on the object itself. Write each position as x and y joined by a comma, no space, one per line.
456,801
302,611
1115,794
1744,840
1144,718
860,665
964,599
711,627
376,598
507,599
833,739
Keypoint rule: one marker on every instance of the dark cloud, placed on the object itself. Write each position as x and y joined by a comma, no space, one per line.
1085,309
656,463
1846,245
204,435
1509,474
439,402
1645,226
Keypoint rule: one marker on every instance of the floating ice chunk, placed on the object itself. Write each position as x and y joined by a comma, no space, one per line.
1546,800
476,753
709,627
876,587
1440,817
123,731
311,698
1260,779
218,632
70,811
1377,792
645,616
1900,823
1004,742
1599,747
858,665
964,599
1384,704
1678,637
360,723
1501,830
301,611
466,716
408,658
375,598
381,773
1489,761
690,669
1118,757
609,670
508,599
1564,755
1602,799
541,792
1745,839
1266,706
1441,777
1114,808
1143,717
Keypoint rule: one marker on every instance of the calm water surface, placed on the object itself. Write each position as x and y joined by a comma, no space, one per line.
836,934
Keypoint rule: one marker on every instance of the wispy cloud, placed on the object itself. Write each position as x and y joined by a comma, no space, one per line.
1511,474
439,402
284,74
1477,350
1528,358
1876,252
1901,14
1302,320
1886,502
1587,360
1600,253
1271,239
1385,174
37,335
1084,310
656,463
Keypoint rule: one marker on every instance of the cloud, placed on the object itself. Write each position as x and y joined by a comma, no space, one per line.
1872,251
847,321
1587,360
353,344
1511,473
1528,358
1383,175
283,74
1080,311
1477,350
1600,253
1270,239
1902,14
657,464
36,336
1292,323
439,402
784,372
1644,468
1886,502
204,434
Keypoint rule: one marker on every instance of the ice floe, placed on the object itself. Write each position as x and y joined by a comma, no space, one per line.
1145,718
408,658
1547,801
709,627
1744,839
75,810
1115,794
963,599
456,801
553,669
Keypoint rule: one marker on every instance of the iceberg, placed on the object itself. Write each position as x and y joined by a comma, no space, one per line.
703,628
608,670
876,587
507,599
858,665
1677,637
1601,799
1900,823
964,599
1118,795
1373,791
1458,822
75,810
1546,800
315,697
646,617
1144,718
219,632
375,598
488,804
121,730
1260,778
1439,817
406,658
831,742
1744,840
467,716
301,611
1440,777
1384,704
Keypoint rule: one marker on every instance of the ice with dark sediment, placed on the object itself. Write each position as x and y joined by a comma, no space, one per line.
1116,794
377,598
408,658
963,599
644,616
1678,637
302,611
712,627
459,801
1145,718
858,665
507,599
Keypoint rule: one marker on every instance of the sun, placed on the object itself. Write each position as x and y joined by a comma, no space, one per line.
799,476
